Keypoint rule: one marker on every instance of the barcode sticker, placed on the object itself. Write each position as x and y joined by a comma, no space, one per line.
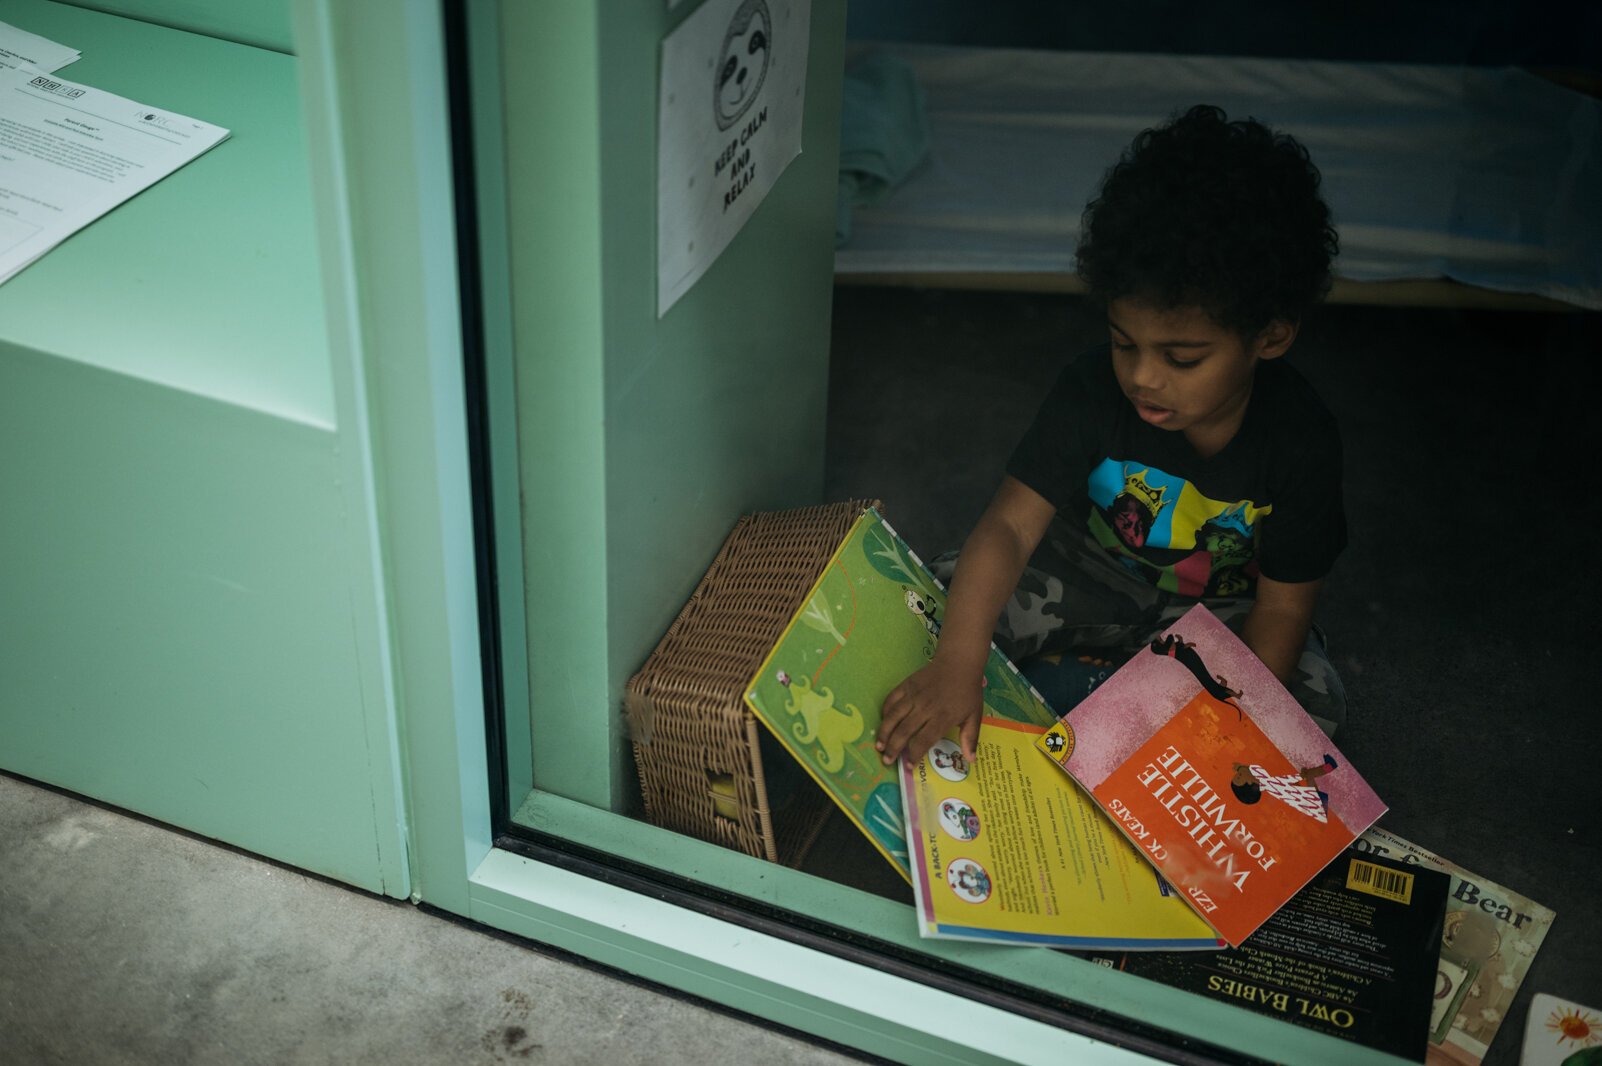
1378,881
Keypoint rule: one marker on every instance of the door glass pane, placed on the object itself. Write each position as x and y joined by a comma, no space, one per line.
627,442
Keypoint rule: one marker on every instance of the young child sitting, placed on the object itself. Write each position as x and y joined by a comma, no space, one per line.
1185,462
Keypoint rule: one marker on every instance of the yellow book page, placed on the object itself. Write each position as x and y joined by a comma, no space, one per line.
1009,849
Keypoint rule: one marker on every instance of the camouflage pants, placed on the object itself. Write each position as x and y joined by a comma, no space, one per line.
1074,599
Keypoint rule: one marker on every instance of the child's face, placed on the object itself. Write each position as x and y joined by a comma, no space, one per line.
1185,372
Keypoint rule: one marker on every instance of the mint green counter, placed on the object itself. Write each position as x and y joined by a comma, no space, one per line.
207,281
186,623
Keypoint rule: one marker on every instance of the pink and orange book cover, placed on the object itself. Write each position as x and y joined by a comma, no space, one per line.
1217,775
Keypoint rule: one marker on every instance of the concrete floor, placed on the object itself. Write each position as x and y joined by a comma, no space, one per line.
1457,615
122,942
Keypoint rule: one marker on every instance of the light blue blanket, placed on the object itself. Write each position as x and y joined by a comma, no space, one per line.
1486,176
884,134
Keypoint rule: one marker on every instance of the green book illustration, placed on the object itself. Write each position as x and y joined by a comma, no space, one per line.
871,619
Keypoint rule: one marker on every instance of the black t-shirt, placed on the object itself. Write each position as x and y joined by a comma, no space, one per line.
1269,502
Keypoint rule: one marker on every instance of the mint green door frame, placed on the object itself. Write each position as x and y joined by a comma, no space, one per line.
376,90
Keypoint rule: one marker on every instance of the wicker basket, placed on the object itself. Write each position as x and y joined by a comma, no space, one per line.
699,751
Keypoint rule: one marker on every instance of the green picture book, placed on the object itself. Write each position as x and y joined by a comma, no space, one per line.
871,619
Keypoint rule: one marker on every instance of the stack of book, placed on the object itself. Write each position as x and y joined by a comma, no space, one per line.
1187,822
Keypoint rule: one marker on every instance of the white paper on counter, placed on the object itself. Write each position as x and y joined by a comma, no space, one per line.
69,154
19,48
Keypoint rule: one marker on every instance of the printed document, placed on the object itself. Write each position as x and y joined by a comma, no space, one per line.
19,48
70,153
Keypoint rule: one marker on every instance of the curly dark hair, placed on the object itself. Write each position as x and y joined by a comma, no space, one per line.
1205,212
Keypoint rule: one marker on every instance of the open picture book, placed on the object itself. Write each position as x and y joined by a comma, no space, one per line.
1212,769
870,619
1005,850
1008,850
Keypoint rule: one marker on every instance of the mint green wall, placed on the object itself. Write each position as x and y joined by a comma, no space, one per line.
643,440
190,621
262,23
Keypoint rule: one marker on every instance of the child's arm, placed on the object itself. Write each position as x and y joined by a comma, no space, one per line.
949,691
1276,626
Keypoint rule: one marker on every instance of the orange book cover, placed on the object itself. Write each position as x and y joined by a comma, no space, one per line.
1213,770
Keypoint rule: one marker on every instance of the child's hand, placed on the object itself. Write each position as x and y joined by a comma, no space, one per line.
925,706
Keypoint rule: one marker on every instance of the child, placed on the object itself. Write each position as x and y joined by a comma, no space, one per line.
1184,462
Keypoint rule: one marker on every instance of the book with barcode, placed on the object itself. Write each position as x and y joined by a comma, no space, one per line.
1214,771
1491,936
1351,955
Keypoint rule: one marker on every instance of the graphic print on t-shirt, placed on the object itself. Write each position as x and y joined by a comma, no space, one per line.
1170,535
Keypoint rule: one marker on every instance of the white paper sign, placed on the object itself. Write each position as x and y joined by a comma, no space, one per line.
732,96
